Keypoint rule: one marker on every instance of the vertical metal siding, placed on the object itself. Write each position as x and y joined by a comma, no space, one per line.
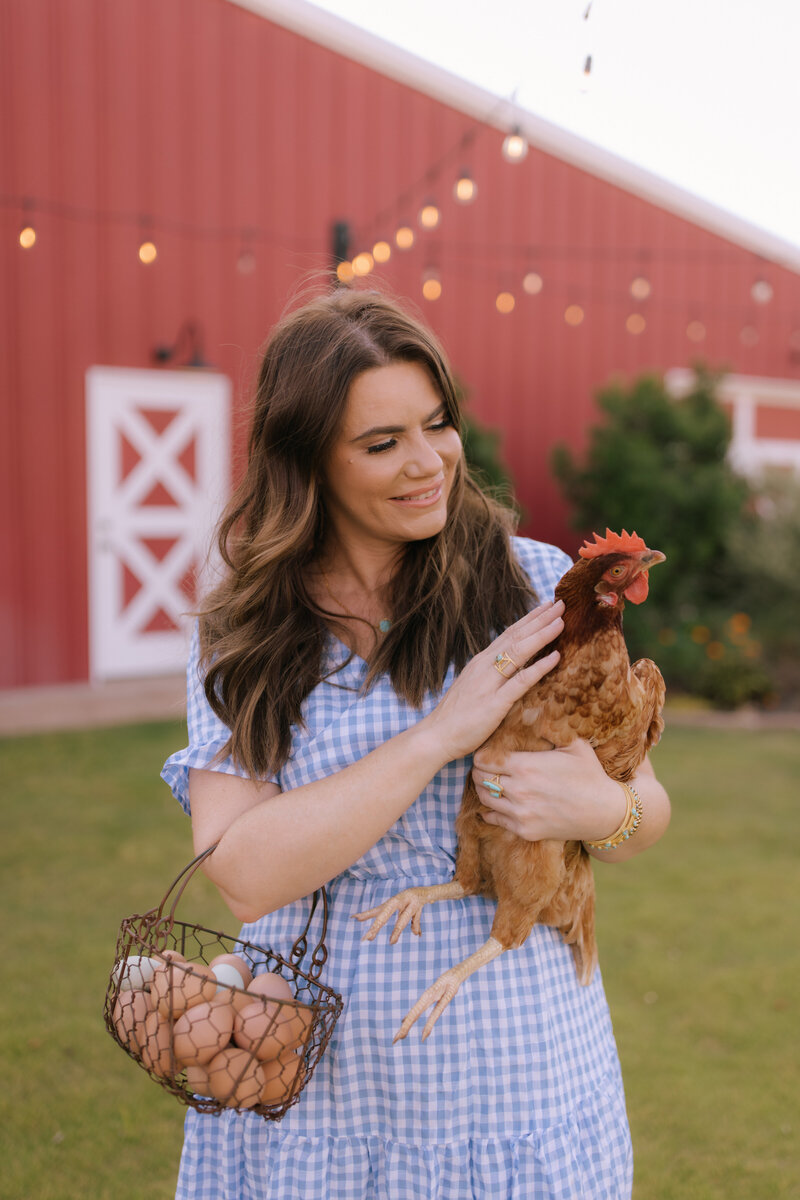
212,122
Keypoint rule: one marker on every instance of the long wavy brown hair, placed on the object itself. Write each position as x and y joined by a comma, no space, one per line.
262,634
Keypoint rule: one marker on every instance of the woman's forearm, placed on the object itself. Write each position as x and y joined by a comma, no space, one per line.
654,820
274,847
284,846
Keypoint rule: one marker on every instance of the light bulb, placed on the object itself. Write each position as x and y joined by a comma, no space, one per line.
635,323
27,237
573,314
381,252
404,238
533,283
148,253
429,215
761,291
431,285
345,272
505,302
640,288
465,188
515,146
363,263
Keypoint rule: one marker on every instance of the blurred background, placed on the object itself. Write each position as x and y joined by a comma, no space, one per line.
594,205
175,173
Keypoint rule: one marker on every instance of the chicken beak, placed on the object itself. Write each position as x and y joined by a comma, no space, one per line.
637,590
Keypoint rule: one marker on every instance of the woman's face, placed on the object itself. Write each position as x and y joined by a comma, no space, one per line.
391,469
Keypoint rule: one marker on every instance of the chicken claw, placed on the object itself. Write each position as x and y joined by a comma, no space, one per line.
408,905
440,993
444,989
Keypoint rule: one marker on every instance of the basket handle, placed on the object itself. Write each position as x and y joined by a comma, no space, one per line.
319,955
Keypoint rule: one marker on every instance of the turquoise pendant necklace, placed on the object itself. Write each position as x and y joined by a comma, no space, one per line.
383,625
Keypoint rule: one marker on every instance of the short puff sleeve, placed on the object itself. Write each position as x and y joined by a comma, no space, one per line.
207,736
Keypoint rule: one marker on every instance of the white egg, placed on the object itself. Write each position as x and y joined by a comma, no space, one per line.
137,971
227,976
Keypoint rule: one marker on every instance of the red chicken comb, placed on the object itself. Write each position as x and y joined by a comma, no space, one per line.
612,543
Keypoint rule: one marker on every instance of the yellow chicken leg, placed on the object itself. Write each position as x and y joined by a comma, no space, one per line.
442,991
408,905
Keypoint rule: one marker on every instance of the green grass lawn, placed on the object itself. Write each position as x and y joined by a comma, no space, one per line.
698,942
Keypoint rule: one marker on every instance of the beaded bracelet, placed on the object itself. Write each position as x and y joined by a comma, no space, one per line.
630,824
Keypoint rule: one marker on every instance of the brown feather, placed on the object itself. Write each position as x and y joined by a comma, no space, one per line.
593,693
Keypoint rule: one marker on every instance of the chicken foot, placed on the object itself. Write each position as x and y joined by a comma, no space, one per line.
444,989
408,905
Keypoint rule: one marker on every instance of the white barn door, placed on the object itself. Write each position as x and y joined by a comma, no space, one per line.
158,462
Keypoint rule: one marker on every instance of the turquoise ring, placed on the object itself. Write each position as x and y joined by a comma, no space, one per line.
501,661
494,786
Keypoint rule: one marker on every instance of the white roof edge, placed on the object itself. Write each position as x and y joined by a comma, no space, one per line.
681,380
359,44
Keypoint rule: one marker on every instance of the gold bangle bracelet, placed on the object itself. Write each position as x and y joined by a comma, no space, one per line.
633,815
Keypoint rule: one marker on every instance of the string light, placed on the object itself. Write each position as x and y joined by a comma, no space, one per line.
505,302
696,331
574,314
635,323
27,237
533,283
515,146
465,189
363,263
429,215
431,284
640,288
148,253
345,272
246,262
404,237
761,291
381,252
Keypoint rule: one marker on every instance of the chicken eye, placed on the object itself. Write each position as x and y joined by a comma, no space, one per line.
617,571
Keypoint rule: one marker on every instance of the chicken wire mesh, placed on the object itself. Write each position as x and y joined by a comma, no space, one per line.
217,1021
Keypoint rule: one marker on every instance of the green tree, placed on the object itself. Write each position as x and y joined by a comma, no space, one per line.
658,465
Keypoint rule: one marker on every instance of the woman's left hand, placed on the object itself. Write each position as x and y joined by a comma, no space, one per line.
562,794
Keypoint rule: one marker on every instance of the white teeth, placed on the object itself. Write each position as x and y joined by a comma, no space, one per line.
421,496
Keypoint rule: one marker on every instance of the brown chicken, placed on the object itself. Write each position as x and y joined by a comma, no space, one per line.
592,693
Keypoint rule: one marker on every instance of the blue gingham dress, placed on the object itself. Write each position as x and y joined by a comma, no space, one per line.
516,1094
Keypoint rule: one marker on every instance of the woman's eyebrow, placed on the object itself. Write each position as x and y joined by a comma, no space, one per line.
382,430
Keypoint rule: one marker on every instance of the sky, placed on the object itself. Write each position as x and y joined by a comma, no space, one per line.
705,93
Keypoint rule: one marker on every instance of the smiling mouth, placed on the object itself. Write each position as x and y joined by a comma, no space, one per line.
426,497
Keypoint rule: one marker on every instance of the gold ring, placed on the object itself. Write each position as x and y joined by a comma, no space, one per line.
494,786
502,661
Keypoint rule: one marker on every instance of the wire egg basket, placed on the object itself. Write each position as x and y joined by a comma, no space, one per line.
243,1033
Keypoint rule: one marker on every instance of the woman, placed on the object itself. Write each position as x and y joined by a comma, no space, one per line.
347,674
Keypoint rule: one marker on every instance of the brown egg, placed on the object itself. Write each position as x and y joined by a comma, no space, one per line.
178,986
282,1077
129,1015
271,985
267,1027
238,964
235,1078
197,1080
201,1032
156,1048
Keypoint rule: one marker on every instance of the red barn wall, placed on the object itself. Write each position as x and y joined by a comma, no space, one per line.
197,120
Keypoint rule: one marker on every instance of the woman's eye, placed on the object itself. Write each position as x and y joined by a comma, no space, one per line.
445,423
379,447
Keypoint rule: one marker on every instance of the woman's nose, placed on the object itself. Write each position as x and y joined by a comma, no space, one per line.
422,460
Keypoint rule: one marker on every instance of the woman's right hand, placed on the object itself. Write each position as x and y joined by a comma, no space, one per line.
481,695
